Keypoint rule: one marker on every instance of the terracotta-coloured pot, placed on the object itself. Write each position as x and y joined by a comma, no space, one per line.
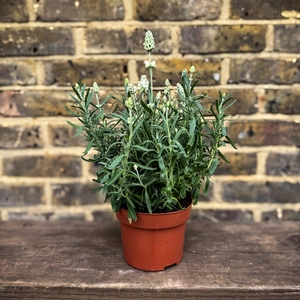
154,241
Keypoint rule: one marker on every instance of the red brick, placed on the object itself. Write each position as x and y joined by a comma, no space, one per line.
36,41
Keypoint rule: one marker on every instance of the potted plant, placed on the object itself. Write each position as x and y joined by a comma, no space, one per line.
156,152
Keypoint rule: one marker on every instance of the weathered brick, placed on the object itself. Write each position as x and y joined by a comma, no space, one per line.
103,216
261,9
36,41
261,70
172,69
246,100
13,11
26,103
75,194
21,195
174,10
18,73
63,136
218,39
45,216
43,166
285,215
104,40
18,137
264,133
88,10
287,38
281,101
162,37
222,215
106,72
283,164
240,164
259,192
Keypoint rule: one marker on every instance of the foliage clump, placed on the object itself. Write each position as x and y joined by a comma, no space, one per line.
156,148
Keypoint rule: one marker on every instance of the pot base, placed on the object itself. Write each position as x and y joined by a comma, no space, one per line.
154,241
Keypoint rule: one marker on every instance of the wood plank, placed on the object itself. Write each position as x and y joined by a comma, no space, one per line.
82,260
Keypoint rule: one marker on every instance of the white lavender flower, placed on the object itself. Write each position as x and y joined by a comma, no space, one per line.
131,88
158,96
149,44
180,89
184,72
150,64
95,87
143,84
192,69
129,103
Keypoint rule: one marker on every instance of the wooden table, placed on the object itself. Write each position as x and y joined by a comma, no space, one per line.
83,260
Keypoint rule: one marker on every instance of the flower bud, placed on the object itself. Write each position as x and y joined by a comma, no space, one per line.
95,87
192,69
158,96
149,44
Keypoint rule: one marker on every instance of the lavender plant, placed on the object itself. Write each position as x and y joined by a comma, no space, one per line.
157,150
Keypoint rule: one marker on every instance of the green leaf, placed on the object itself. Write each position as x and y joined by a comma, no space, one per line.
88,98
192,126
148,202
88,148
230,142
115,162
223,156
213,166
116,176
131,213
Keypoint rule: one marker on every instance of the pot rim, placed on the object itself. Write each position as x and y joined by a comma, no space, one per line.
157,214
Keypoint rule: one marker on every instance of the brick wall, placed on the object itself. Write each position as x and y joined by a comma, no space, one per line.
248,48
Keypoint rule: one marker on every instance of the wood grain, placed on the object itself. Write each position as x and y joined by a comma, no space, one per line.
81,260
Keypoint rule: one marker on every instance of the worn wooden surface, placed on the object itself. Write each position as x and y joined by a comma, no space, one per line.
81,260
